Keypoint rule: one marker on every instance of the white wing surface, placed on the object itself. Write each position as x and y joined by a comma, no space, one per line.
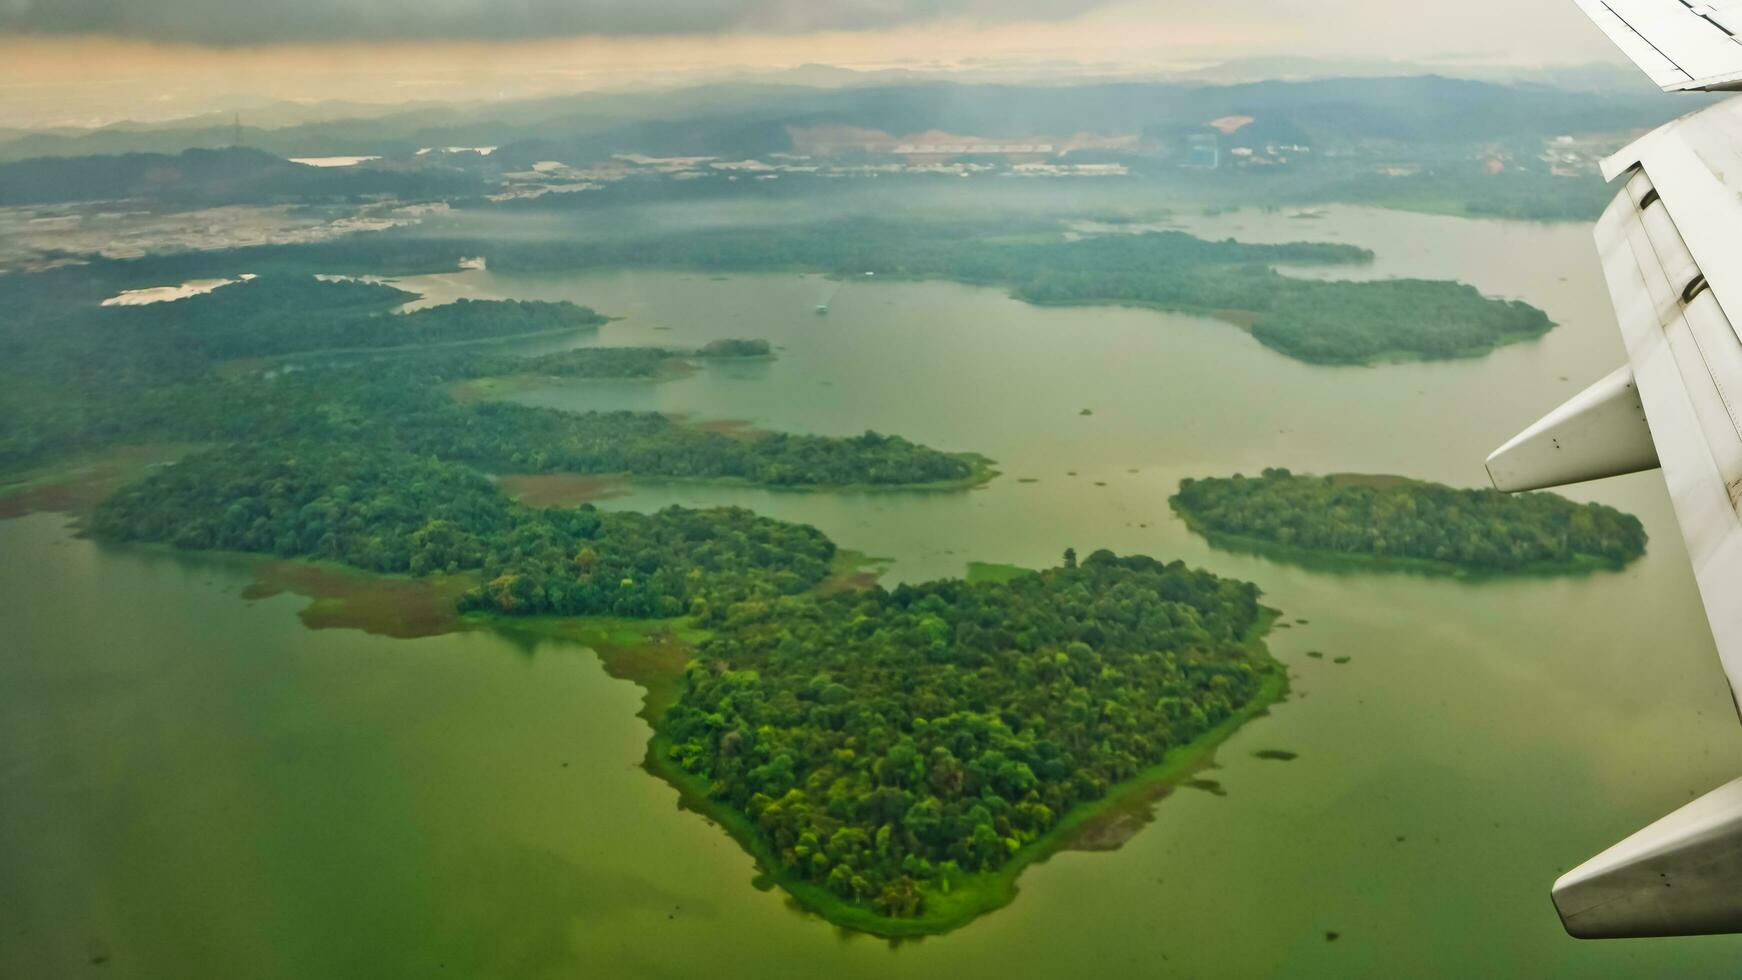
1671,245
1682,44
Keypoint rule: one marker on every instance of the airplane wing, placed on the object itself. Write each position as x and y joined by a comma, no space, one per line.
1684,45
1671,246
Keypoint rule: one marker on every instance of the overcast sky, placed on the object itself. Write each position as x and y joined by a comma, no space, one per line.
87,59
1411,29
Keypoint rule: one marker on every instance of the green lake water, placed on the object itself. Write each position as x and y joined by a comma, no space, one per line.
195,785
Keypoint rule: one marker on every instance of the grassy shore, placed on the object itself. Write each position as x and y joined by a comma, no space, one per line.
995,572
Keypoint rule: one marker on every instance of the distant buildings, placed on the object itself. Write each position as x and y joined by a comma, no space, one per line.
1203,151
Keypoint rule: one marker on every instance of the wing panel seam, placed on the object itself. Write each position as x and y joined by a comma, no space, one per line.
1649,43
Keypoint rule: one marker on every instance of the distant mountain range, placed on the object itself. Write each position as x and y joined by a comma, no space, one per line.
752,118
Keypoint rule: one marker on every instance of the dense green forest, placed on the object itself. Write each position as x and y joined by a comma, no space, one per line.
76,376
273,315
590,362
886,742
1411,520
614,362
402,405
387,511
505,437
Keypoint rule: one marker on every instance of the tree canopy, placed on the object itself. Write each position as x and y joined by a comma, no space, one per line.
387,511
1393,518
884,742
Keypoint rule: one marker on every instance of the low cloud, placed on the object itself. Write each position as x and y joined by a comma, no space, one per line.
239,22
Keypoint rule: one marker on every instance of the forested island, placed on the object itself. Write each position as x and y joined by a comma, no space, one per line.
387,511
1410,523
896,757
277,314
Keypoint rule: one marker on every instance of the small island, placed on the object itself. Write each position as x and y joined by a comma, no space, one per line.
1395,521
731,348
391,512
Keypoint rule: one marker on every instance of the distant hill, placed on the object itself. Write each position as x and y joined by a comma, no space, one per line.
212,177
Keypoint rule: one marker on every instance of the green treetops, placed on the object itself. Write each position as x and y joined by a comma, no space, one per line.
1391,518
883,741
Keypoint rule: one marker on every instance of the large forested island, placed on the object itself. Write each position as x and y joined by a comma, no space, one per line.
82,376
896,757
1408,522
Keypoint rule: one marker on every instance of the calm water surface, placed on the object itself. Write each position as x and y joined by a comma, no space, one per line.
196,785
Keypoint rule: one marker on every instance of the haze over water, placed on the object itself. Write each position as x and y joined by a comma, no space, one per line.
198,785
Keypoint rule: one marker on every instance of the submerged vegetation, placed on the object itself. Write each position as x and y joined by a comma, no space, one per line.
1396,520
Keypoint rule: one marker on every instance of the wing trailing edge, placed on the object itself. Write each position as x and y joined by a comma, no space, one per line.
1671,250
1600,432
1676,877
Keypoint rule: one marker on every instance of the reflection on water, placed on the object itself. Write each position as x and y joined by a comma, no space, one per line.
198,785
